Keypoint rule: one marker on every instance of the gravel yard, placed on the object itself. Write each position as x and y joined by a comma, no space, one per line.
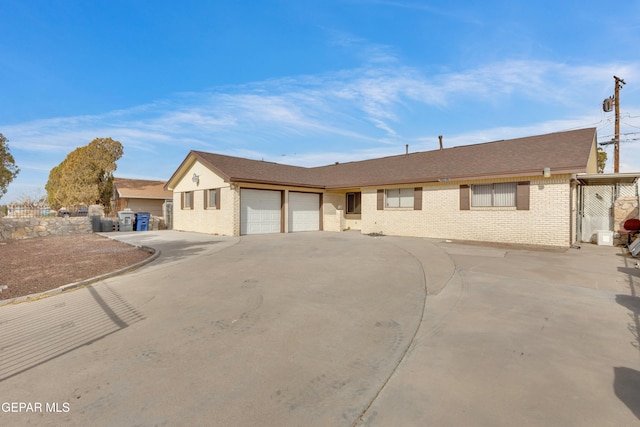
35,265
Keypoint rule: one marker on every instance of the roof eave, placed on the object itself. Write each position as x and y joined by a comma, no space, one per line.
239,180
188,160
519,174
455,178
608,178
134,196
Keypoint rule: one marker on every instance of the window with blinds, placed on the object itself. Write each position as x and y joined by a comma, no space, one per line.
187,200
399,198
488,195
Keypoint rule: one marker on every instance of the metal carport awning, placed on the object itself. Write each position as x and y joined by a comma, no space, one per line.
608,178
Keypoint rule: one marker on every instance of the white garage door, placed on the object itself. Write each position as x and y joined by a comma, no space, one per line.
259,211
304,212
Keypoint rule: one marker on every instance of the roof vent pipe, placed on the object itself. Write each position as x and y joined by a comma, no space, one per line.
440,138
406,146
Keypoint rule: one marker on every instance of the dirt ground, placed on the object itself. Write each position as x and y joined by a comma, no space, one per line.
39,264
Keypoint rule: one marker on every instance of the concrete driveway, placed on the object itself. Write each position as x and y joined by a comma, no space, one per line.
331,329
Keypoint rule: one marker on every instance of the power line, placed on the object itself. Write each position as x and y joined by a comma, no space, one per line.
627,124
602,144
626,133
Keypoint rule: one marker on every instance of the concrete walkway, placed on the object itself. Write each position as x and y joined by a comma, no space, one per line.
333,329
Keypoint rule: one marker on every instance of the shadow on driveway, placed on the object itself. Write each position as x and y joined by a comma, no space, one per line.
626,385
32,334
172,245
182,249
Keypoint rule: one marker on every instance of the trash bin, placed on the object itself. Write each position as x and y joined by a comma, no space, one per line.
95,224
126,218
106,225
142,221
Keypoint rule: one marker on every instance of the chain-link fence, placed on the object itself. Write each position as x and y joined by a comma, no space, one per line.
15,210
627,190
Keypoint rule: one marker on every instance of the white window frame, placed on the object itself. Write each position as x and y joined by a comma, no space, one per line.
398,198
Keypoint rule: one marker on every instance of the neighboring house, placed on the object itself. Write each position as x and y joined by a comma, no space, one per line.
140,195
515,191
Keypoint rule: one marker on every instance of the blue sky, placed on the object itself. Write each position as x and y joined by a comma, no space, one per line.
306,82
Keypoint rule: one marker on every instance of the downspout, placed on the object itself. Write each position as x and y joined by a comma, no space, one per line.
572,185
578,204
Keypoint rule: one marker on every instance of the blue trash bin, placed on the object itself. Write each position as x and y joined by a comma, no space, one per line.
142,221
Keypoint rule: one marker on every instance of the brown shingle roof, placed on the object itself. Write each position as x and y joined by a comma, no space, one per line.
141,189
563,152
234,169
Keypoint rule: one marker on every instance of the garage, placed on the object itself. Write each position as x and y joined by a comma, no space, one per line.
304,212
260,211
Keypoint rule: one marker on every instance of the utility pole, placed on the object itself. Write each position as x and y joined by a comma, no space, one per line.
616,99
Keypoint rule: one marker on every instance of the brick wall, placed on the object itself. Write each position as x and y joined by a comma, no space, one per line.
214,221
333,211
547,222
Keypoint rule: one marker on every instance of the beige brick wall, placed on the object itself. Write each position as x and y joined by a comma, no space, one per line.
333,211
215,221
234,197
546,223
353,222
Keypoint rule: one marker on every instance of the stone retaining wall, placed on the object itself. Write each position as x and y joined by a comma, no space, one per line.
624,208
25,228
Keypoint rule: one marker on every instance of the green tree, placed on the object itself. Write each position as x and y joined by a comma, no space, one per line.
8,168
602,159
85,176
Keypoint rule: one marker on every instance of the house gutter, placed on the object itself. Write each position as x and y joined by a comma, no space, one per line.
451,179
240,181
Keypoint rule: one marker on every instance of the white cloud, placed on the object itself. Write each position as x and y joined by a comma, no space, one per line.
341,103
348,115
